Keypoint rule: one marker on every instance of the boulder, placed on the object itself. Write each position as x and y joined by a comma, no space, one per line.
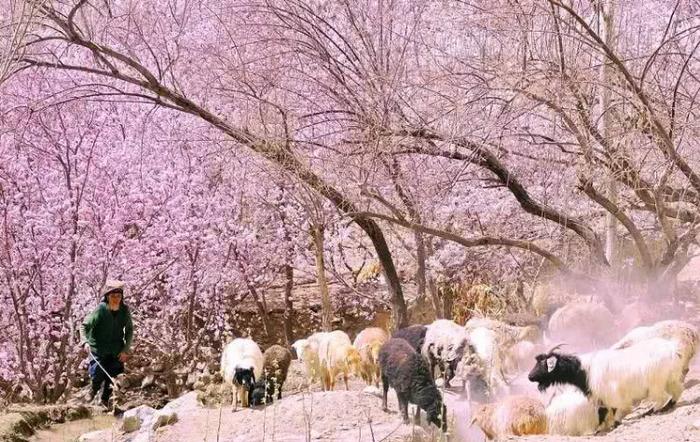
162,418
135,418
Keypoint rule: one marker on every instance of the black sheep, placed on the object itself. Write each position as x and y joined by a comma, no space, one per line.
414,335
276,360
407,373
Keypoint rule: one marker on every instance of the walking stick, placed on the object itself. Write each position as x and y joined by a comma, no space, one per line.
111,379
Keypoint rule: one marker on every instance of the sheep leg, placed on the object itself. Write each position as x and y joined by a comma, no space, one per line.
331,379
345,379
619,414
234,399
244,397
660,399
670,405
403,406
385,387
416,418
279,391
325,380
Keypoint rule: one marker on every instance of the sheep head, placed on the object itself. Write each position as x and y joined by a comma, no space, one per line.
554,368
353,360
244,377
482,417
259,394
437,413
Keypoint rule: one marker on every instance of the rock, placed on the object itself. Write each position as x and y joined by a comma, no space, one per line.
191,380
185,402
695,425
143,436
95,436
158,367
147,381
135,418
162,418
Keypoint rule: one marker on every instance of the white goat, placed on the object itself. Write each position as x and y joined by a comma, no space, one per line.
618,379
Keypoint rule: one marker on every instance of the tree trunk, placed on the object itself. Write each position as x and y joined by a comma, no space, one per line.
288,306
435,297
606,17
420,270
259,302
448,300
326,308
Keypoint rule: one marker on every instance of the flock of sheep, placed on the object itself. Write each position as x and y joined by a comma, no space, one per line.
591,392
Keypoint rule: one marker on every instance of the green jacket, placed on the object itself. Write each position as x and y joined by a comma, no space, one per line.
107,332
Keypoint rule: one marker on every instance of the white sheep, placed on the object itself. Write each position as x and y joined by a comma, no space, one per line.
571,413
336,356
491,358
307,352
513,416
583,325
445,346
368,342
684,334
618,379
241,365
507,342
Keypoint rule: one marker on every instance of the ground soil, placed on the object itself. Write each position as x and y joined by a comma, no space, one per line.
356,415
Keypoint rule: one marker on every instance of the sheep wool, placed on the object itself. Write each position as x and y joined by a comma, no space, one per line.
336,357
513,416
368,342
571,413
685,335
403,369
445,346
413,334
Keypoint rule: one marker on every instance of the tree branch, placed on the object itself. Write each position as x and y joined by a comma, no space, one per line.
473,242
486,159
586,186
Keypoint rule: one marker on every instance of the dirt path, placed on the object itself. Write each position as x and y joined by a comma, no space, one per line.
321,416
70,431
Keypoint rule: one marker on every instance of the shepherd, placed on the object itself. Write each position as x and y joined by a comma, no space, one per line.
106,334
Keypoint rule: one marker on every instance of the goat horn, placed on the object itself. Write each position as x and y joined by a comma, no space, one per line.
556,347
